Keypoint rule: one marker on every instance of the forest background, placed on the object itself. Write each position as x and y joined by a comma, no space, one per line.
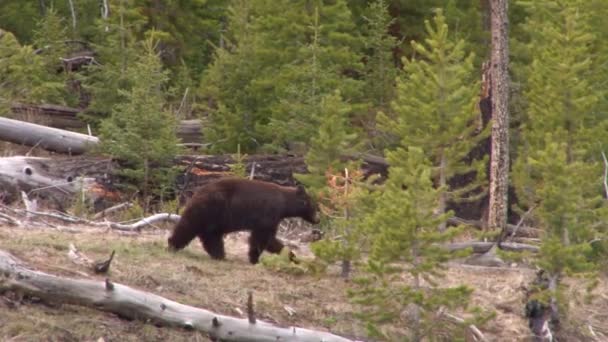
400,79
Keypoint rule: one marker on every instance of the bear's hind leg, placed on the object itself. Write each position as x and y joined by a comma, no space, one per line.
214,245
274,245
258,241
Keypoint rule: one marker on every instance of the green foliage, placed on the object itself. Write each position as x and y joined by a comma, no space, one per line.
30,76
283,263
278,62
134,213
380,67
82,205
332,181
435,109
140,132
239,168
405,262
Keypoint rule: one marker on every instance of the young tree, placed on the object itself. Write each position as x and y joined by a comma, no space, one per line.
141,132
559,168
380,69
332,181
405,264
280,59
435,109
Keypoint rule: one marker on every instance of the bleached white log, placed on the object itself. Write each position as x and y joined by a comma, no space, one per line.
147,221
136,304
52,139
24,173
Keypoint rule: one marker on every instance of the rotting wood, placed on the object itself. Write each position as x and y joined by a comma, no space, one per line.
145,306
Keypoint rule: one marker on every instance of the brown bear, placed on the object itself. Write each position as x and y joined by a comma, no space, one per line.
230,204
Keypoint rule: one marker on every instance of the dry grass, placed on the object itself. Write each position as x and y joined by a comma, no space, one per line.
192,278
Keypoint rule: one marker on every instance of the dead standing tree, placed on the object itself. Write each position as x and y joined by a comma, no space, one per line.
499,85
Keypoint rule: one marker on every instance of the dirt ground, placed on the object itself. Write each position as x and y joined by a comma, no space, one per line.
190,277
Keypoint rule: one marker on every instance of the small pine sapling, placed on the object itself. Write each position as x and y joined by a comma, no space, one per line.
403,272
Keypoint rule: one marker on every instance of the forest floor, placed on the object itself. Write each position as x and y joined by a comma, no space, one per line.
191,277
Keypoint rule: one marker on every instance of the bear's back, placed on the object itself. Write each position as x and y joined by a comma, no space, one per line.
241,202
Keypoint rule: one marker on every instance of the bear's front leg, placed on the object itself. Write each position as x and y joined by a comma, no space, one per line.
213,245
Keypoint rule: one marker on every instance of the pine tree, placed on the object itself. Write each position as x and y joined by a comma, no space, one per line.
405,263
332,180
228,81
380,67
559,169
141,132
329,54
279,59
435,109
115,44
24,76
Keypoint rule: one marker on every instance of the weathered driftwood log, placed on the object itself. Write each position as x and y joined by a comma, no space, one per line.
48,138
136,304
62,117
56,178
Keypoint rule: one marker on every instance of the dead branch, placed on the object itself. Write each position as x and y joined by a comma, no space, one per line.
146,221
526,231
482,247
10,220
148,307
477,334
112,209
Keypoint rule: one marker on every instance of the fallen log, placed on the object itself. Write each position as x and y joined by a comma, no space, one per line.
511,228
147,307
56,178
62,117
482,247
48,138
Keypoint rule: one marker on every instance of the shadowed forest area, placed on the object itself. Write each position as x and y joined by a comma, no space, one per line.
456,151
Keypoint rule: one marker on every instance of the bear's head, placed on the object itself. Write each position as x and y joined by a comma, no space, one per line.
305,206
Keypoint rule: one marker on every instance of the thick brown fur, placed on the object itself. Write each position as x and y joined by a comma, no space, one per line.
231,204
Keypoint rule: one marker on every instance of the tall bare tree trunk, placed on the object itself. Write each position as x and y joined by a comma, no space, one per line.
499,165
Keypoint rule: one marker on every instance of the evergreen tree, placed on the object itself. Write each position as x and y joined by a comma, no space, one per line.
559,167
115,42
380,68
24,76
332,181
280,58
435,109
141,132
405,262
327,60
227,82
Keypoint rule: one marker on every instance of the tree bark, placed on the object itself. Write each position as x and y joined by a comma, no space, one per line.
135,304
499,165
